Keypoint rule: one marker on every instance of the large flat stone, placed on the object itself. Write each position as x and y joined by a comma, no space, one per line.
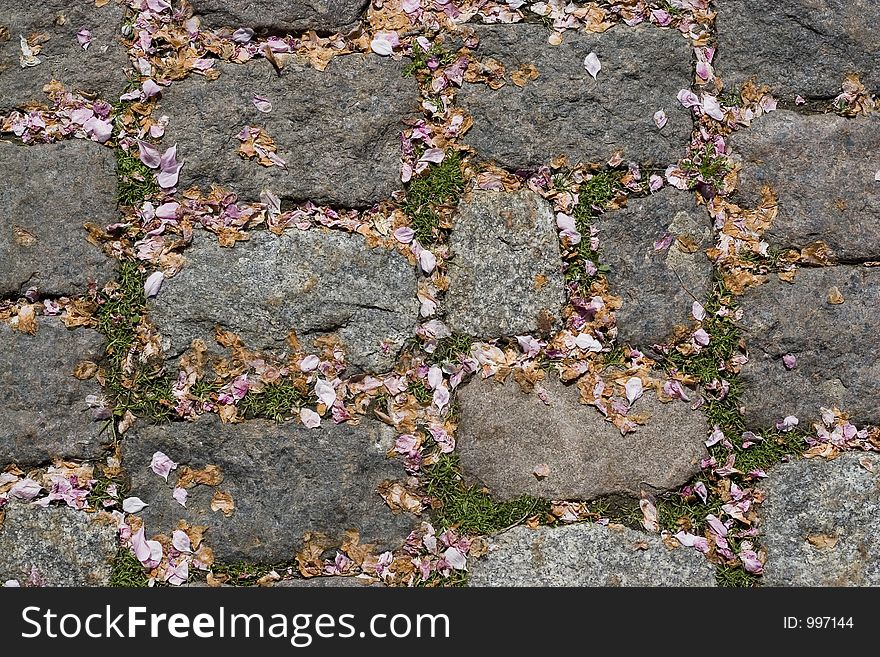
837,346
99,70
504,433
285,480
287,15
55,546
658,287
339,137
820,522
801,47
314,282
587,555
566,112
822,169
44,409
505,277
49,192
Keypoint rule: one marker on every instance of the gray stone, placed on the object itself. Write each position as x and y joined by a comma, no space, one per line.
55,546
327,583
503,433
801,47
587,555
505,277
566,112
822,169
99,70
339,137
285,480
44,409
284,15
49,192
837,347
820,522
314,282
658,288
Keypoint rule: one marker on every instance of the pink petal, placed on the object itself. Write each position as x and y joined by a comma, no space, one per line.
139,546
309,418
162,465
84,37
592,64
98,129
133,504
634,389
698,311
309,363
789,361
381,45
152,286
441,397
25,490
434,155
711,107
688,98
180,541
325,393
151,88
168,178
427,261
660,118
404,234
435,377
262,104
149,155
180,495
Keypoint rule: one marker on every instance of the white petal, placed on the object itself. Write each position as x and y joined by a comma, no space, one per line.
133,504
592,64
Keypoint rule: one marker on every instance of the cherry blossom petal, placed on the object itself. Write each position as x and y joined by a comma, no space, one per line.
404,234
84,36
25,490
309,363
633,389
262,104
325,393
180,495
309,418
153,284
162,465
592,64
180,540
133,504
149,154
427,261
660,118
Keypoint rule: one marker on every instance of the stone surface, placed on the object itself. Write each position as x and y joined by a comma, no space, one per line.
822,169
314,282
503,433
505,277
837,346
587,555
285,15
43,407
285,480
821,522
566,112
55,546
801,47
339,138
100,69
658,288
49,192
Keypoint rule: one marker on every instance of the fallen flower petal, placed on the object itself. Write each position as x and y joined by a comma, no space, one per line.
133,504
180,495
153,284
592,64
309,418
25,490
162,465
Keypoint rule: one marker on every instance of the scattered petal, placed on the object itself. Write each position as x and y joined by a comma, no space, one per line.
660,118
309,418
162,465
592,64
153,284
133,504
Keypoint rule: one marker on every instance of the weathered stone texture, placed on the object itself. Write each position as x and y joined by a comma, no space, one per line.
801,47
285,480
821,522
504,433
55,546
658,287
44,409
288,15
49,191
339,137
566,112
100,69
821,169
837,346
314,282
505,277
587,555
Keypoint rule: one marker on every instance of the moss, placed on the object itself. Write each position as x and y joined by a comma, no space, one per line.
126,571
442,184
470,509
419,59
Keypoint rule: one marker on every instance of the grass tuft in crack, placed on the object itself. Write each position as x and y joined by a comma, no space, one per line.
450,348
134,180
126,571
442,185
594,195
275,401
470,509
129,387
